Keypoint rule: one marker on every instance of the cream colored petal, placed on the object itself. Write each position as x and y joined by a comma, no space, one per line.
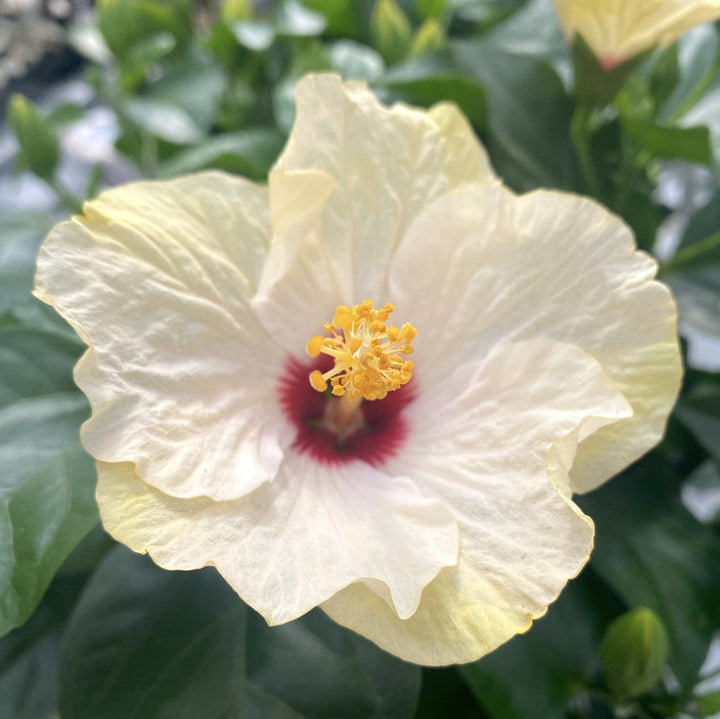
156,278
294,542
352,178
551,265
619,29
481,442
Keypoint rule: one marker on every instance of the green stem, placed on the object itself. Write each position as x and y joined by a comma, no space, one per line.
580,133
697,253
67,199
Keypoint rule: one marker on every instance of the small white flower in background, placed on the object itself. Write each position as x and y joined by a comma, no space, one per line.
257,407
617,30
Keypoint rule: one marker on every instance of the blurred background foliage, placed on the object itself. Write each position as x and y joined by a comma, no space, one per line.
98,94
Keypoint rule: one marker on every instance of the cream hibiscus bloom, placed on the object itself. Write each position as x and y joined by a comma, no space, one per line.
617,30
255,408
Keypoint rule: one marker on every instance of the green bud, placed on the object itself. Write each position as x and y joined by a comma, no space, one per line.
391,31
236,10
430,8
633,653
38,146
429,36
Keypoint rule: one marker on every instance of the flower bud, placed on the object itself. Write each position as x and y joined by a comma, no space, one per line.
633,653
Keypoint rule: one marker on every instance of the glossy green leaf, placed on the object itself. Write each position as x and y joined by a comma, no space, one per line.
34,363
430,8
355,61
701,492
698,297
255,35
698,56
533,30
47,502
703,224
709,704
246,152
29,656
439,77
295,20
342,17
699,411
539,674
653,553
147,643
528,116
125,23
163,119
685,143
20,235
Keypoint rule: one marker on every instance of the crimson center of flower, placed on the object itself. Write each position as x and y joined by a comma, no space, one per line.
351,406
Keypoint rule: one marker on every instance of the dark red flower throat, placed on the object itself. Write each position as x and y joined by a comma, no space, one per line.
333,430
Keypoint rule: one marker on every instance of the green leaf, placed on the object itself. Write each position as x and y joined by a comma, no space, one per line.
248,152
163,119
86,38
255,35
194,87
534,31
443,687
435,78
633,653
539,673
709,704
430,8
697,63
20,234
484,11
38,145
692,272
701,492
35,363
342,17
699,411
47,502
518,100
653,553
355,61
147,643
703,224
685,143
29,656
125,23
528,116
294,20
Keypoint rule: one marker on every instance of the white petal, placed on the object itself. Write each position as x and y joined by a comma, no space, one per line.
352,178
619,29
156,278
482,266
292,543
481,442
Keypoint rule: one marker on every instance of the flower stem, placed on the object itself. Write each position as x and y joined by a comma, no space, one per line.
580,133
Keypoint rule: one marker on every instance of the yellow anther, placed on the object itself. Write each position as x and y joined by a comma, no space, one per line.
318,381
314,345
368,354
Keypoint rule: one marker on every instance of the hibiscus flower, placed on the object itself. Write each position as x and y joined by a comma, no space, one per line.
256,407
617,30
